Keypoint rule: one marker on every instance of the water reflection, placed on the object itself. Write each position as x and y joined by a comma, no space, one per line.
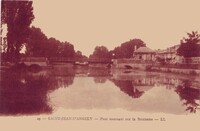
129,88
22,93
35,92
100,79
25,92
189,95
135,84
62,76
97,72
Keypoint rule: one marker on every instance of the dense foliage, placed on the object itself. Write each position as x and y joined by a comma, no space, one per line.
189,46
18,15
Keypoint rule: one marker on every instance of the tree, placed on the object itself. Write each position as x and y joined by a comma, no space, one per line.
79,55
36,44
52,48
126,49
189,46
18,16
68,50
100,52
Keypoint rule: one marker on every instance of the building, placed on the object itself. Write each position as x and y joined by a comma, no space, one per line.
144,54
169,55
142,57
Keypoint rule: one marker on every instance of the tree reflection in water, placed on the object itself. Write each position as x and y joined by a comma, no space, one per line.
62,76
96,72
100,75
189,95
24,93
127,87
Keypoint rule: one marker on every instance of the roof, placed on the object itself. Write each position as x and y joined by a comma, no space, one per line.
169,50
165,52
144,50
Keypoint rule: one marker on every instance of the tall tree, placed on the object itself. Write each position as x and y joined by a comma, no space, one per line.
189,46
67,50
36,44
18,16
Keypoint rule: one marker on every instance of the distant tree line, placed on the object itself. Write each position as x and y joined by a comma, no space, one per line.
125,50
38,45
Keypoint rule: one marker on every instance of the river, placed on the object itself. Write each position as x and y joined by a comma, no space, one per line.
82,88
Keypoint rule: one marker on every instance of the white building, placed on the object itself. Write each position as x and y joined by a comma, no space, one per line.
169,55
144,54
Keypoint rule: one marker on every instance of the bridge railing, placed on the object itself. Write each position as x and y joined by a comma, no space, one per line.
90,60
99,60
61,59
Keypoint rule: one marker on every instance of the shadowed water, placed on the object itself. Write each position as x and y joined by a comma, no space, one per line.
24,92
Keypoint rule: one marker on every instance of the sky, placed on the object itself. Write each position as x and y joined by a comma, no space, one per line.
90,23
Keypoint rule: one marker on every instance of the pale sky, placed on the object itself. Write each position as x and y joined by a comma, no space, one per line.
88,23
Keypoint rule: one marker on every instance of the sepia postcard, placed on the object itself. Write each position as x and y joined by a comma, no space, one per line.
100,65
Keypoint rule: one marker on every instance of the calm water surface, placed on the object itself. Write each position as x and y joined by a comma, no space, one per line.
25,92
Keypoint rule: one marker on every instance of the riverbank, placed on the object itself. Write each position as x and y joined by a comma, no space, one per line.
174,70
187,69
